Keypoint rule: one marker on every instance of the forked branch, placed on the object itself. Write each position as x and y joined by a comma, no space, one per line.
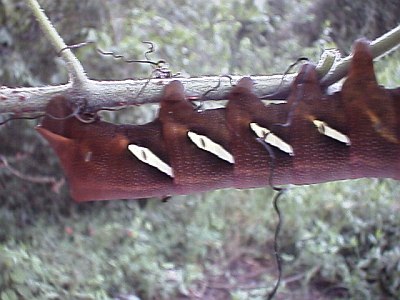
99,94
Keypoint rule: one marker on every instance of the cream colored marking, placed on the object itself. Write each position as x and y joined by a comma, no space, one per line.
88,156
324,129
207,144
148,157
382,129
271,138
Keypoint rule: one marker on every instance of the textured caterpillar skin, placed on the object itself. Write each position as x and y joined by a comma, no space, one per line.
373,118
194,168
98,165
96,160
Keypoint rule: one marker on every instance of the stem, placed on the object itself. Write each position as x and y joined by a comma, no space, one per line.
74,67
326,62
379,47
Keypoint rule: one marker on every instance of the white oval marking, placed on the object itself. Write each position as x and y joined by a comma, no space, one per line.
271,138
207,144
324,129
145,155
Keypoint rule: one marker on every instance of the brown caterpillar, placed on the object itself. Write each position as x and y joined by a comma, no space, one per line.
350,134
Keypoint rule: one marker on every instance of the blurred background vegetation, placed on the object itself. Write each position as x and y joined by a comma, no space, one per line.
339,240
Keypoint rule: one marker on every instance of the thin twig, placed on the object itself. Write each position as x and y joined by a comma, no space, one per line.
381,46
75,69
276,245
34,179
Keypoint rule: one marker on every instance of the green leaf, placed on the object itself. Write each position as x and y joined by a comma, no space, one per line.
18,275
9,295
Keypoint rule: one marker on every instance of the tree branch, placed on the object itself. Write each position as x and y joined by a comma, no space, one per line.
382,46
100,94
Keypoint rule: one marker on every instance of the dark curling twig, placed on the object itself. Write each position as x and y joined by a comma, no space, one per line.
276,242
213,89
280,191
75,113
291,66
300,95
115,55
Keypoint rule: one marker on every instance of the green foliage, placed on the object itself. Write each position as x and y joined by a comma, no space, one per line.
338,234
352,238
338,239
388,70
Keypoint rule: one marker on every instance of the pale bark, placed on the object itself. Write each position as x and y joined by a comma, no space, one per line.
100,94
